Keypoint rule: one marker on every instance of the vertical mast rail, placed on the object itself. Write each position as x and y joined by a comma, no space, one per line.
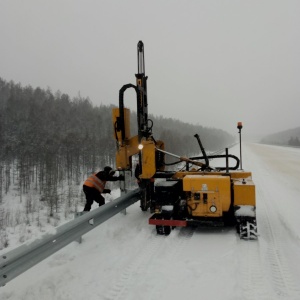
142,105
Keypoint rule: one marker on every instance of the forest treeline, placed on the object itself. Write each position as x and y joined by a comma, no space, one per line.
290,137
47,138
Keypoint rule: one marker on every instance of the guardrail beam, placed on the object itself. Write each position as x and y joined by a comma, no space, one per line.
26,256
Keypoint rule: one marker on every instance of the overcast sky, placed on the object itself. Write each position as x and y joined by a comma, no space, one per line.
209,62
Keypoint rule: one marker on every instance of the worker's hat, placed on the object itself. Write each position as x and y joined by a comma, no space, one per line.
109,170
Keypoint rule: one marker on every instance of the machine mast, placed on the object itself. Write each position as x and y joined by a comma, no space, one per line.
142,105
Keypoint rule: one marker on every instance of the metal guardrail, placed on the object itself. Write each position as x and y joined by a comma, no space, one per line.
223,149
26,256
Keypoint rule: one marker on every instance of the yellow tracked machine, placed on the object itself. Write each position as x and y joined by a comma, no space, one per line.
198,195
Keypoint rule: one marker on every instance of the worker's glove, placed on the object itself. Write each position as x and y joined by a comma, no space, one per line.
106,191
121,177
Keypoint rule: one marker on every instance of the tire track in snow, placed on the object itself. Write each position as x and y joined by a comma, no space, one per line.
271,227
177,243
181,240
283,283
148,253
253,280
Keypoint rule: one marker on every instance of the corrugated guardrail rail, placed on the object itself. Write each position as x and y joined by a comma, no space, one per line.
26,256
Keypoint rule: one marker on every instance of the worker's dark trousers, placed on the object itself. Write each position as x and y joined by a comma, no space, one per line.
92,194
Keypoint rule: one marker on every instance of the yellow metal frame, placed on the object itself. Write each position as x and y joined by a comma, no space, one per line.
244,192
115,115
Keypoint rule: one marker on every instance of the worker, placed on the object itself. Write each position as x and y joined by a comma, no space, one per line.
94,186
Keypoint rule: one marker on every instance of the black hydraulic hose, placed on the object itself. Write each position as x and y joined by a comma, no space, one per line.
150,127
221,156
211,157
121,105
203,151
116,134
173,163
121,123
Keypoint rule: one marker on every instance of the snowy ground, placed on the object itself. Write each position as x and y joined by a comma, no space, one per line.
125,259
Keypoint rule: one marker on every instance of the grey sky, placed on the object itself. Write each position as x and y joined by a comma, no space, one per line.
212,62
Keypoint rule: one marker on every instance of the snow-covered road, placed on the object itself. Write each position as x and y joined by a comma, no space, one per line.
125,259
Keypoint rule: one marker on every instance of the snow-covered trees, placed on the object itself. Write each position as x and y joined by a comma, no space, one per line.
50,143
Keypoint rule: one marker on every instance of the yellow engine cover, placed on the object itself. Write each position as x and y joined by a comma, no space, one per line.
208,195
